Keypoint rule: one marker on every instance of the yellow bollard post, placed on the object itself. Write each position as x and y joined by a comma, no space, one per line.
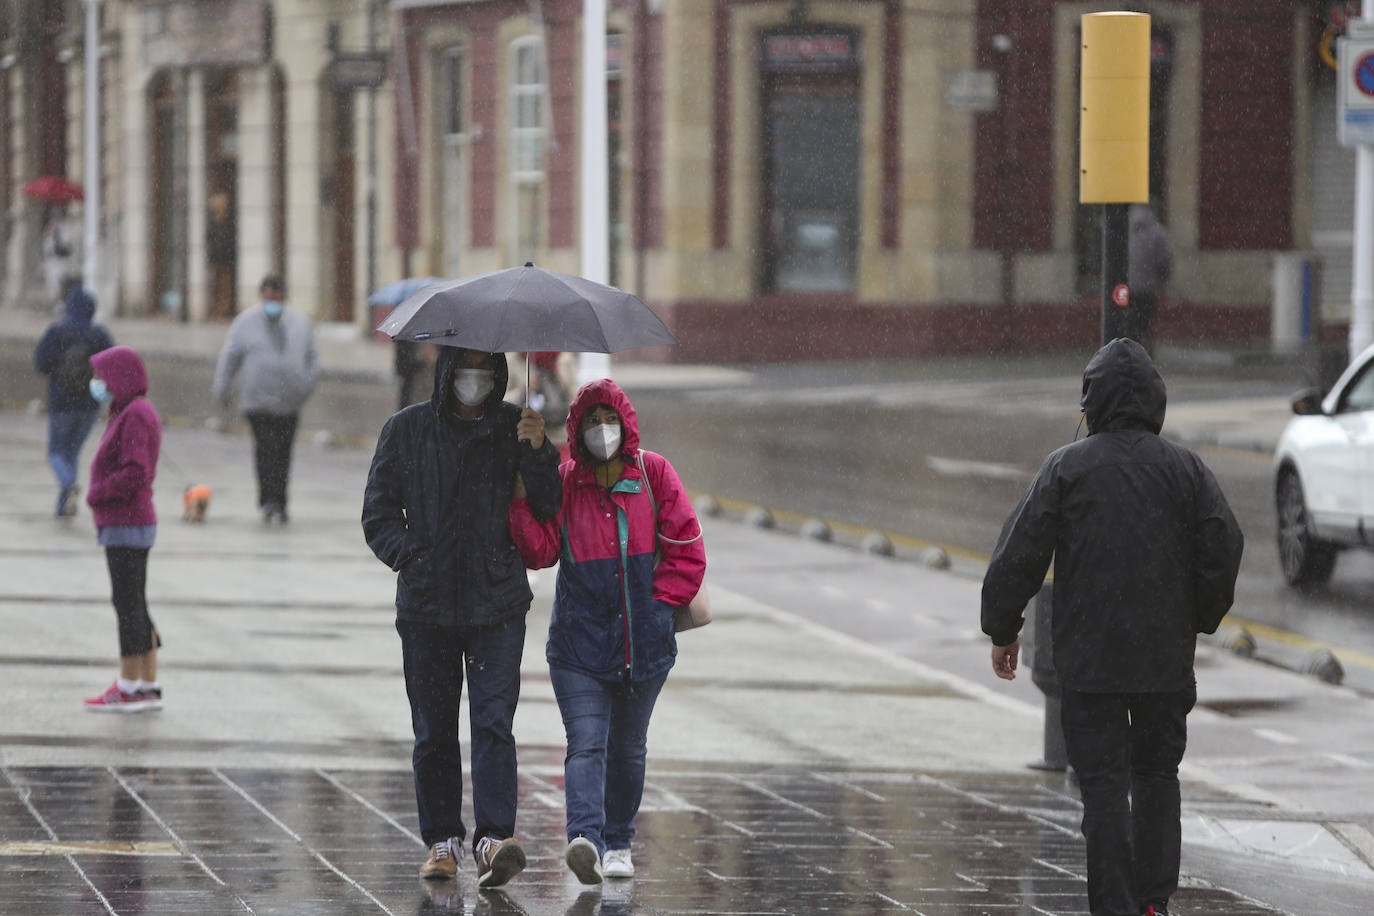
1114,148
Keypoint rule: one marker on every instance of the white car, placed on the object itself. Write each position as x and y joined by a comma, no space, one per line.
1324,475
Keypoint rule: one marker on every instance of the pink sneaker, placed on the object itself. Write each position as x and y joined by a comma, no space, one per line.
114,700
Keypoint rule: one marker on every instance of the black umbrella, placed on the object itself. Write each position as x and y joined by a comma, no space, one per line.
527,308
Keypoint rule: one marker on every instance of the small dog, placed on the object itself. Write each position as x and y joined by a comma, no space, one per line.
195,502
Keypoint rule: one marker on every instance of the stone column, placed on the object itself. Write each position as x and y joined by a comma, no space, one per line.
255,201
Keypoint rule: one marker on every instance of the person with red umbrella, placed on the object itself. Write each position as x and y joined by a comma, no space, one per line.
58,241
57,251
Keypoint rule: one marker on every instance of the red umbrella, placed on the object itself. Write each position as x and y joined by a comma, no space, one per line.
53,188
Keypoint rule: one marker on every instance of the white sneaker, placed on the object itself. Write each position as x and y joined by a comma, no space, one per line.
584,860
617,864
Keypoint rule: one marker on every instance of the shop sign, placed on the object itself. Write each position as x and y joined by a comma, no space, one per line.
198,33
809,51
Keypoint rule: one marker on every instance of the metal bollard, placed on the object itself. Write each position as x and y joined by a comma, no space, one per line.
1038,647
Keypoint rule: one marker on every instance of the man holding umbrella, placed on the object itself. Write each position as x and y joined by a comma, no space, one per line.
434,510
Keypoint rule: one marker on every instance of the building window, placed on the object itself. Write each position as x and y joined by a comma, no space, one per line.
529,94
453,136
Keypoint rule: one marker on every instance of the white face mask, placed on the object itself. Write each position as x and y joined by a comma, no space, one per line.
602,440
471,386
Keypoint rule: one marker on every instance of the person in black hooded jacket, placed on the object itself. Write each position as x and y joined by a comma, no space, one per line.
1146,553
434,510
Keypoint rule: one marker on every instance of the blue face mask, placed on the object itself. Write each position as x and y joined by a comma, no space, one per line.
273,309
100,391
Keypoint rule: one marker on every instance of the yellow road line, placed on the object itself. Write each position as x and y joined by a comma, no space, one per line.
1264,630
92,848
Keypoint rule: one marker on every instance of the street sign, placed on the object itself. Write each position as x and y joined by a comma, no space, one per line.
358,71
971,90
1355,90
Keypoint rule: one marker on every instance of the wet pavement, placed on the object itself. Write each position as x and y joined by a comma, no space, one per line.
834,743
718,841
792,769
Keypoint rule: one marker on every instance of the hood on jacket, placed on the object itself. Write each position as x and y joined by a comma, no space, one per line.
1122,389
124,373
446,368
1140,217
602,391
79,308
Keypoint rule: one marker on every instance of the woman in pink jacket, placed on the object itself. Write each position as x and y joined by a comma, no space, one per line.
629,550
121,501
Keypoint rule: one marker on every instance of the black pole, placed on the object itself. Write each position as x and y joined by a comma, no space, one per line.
1116,295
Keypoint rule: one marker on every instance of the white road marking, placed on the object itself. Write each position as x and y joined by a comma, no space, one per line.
961,467
1277,737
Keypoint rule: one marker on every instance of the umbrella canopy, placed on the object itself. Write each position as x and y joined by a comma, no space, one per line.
52,188
527,308
397,292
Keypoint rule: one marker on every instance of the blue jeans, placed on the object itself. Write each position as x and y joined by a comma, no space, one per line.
67,432
435,658
607,723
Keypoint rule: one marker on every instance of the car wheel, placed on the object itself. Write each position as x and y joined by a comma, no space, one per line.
1306,561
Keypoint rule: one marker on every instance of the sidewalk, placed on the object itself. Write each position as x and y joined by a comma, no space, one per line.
793,768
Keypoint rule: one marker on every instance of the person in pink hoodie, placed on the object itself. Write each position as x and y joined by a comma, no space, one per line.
629,552
121,501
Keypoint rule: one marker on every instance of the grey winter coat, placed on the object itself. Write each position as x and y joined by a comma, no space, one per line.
1151,258
274,377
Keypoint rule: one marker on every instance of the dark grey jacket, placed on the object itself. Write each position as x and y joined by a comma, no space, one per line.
1145,548
437,498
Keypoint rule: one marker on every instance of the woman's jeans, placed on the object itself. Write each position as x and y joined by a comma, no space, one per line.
607,723
67,431
435,658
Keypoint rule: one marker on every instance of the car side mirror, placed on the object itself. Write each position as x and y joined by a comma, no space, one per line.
1307,402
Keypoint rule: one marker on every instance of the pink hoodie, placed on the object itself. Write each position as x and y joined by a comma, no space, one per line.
121,490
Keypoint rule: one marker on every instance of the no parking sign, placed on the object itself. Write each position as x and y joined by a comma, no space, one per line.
1355,87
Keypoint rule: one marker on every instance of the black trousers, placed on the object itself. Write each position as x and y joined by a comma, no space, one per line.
128,593
435,658
273,437
1125,749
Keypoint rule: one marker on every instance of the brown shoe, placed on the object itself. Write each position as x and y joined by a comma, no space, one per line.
441,863
498,860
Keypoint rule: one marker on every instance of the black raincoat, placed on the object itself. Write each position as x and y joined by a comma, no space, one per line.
437,498
1145,548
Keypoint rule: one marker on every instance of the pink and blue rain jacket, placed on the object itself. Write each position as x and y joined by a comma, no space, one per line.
613,609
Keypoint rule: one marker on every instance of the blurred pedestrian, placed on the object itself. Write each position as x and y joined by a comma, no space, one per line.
631,551
435,508
1146,553
64,355
272,350
57,250
1149,269
121,501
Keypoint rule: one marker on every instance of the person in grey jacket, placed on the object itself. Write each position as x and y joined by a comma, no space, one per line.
1149,268
271,350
